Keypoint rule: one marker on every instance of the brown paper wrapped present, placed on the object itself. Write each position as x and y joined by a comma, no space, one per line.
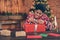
20,33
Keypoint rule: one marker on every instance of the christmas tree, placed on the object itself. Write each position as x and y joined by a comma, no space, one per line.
43,6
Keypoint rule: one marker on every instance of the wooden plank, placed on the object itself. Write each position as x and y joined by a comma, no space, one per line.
11,17
8,22
3,17
15,17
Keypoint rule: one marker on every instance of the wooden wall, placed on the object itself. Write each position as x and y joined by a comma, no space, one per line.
55,6
15,5
24,6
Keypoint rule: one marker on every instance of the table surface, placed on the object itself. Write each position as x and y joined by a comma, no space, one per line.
15,17
24,38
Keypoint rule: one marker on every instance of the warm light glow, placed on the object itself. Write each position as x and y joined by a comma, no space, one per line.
11,5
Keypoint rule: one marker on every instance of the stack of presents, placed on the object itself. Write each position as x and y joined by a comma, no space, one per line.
31,31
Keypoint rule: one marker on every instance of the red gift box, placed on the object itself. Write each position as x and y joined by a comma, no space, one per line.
34,36
29,27
54,34
41,28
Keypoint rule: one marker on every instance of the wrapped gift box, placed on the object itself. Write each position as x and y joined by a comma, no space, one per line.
20,33
35,28
54,34
34,36
5,32
41,28
29,28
